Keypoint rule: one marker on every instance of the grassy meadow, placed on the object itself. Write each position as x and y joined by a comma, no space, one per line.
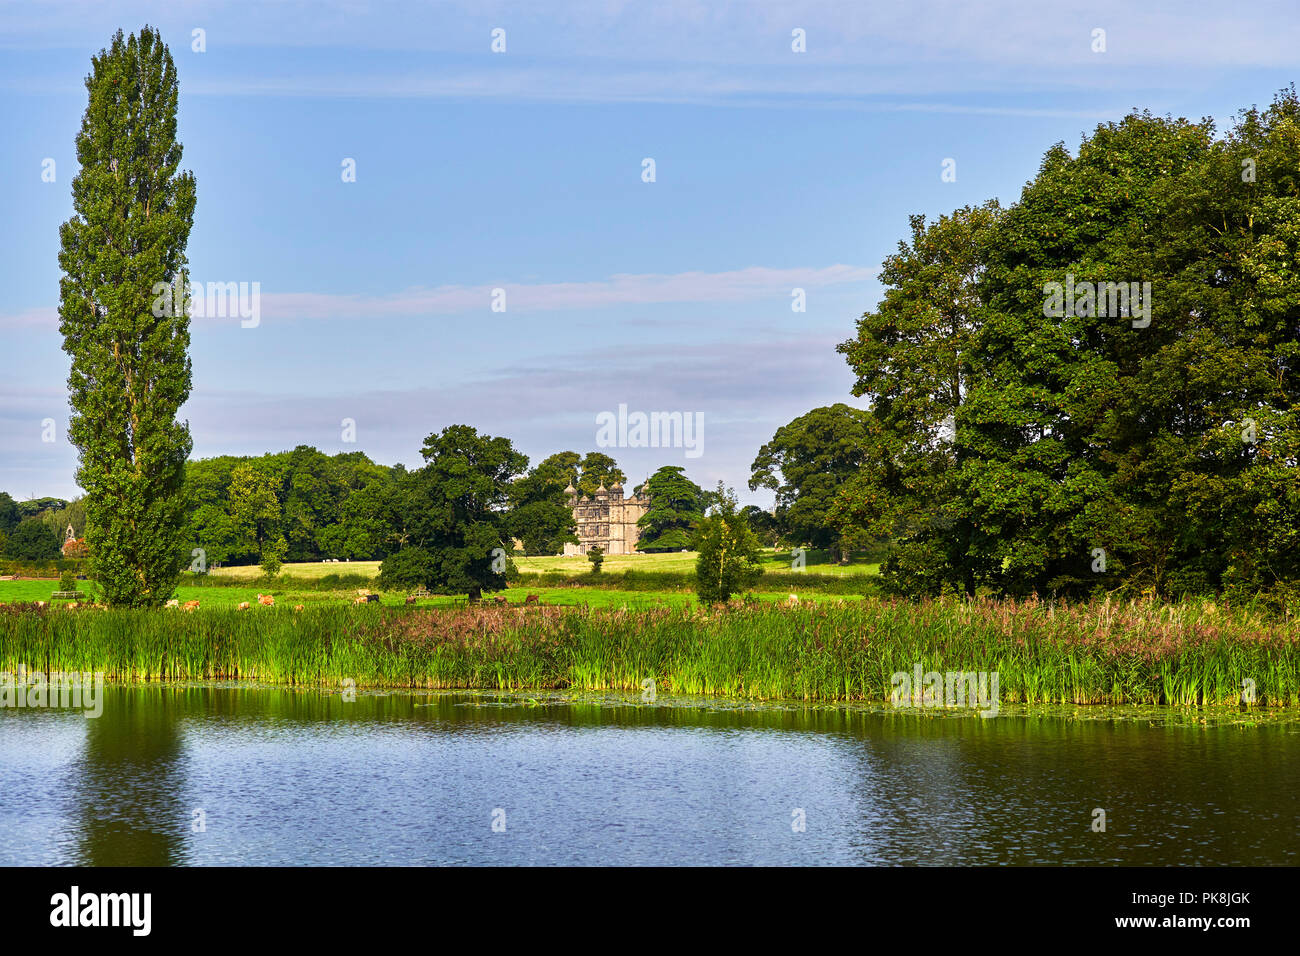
230,597
680,562
633,581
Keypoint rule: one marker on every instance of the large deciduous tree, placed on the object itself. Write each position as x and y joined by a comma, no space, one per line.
31,540
1118,405
455,512
912,360
597,469
806,463
1086,415
9,513
540,516
256,518
130,373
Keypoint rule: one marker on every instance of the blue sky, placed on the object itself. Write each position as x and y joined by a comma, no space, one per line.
522,171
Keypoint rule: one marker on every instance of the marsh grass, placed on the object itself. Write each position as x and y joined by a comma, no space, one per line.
1101,653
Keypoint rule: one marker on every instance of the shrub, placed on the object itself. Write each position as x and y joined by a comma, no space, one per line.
729,555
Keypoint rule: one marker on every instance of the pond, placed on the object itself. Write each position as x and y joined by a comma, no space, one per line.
231,774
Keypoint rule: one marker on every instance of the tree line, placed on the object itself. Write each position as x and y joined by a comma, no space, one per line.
305,505
1092,390
34,530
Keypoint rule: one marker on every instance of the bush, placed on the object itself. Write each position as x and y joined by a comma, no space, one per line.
729,555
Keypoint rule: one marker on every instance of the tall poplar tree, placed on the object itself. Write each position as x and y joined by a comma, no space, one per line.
129,346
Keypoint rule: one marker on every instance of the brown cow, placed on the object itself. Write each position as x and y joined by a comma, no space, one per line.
531,599
242,607
265,600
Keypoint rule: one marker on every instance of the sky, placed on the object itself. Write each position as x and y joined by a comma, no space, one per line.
524,170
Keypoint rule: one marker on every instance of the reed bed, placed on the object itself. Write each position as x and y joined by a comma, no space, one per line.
1099,653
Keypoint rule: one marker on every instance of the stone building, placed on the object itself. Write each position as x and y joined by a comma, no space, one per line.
73,547
609,520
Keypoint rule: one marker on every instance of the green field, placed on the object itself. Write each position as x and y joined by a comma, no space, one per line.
309,570
816,562
296,583
233,596
683,562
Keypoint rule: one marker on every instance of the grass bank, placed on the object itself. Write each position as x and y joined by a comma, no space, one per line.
1136,653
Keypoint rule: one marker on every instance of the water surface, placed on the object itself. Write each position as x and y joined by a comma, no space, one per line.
296,777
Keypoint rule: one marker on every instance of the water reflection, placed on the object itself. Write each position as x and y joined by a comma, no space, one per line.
301,777
128,781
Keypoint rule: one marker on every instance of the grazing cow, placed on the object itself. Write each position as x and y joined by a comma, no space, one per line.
410,599
531,599
297,607
361,600
173,603
500,600
265,600
242,607
190,606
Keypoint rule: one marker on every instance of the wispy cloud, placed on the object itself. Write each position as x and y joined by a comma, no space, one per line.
876,91
745,391
739,285
683,52
43,317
